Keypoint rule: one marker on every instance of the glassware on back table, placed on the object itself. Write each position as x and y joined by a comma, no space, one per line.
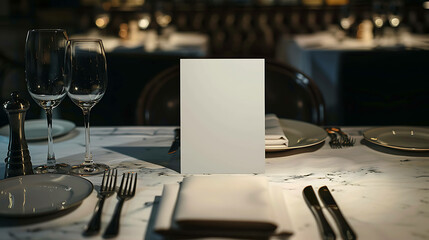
347,18
86,70
378,18
44,72
395,17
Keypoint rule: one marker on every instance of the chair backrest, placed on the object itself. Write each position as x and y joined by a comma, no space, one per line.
159,102
291,94
288,94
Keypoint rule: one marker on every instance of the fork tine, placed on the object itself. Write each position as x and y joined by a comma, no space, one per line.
112,186
130,187
112,180
103,181
121,187
128,184
107,181
135,185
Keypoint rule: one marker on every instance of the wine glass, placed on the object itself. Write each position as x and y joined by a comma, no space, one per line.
86,70
44,73
395,17
378,18
347,19
162,19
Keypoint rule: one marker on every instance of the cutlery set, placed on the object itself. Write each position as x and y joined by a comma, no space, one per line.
126,191
326,231
339,138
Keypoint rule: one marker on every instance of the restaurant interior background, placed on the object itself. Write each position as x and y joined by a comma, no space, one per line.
375,84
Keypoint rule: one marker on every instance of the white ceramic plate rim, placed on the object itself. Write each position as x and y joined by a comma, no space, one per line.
84,189
314,133
64,127
374,133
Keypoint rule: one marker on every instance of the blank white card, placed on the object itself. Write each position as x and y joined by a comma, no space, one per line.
222,116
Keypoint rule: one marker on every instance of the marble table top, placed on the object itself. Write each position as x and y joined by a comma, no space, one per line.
383,193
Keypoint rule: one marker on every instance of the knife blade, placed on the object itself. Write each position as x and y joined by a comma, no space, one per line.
176,143
327,199
325,229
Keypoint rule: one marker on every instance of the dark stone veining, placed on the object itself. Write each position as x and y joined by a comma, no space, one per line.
295,177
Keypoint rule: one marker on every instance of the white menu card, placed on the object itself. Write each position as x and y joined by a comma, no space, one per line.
222,116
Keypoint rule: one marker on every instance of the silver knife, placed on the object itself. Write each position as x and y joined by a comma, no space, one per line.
346,231
325,229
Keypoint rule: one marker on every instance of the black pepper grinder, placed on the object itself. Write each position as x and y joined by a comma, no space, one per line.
18,160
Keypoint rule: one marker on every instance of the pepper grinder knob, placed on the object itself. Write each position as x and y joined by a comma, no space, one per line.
18,160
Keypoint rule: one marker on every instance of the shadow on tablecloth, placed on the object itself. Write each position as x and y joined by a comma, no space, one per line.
155,155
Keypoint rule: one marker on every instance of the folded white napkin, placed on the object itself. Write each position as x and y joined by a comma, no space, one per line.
274,135
223,206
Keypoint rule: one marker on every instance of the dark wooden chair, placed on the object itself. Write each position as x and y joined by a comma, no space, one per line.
289,93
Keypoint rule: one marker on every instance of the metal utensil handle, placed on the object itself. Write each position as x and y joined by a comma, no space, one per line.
94,225
113,227
324,227
346,231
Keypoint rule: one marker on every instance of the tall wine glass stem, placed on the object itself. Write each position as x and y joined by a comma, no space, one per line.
88,154
51,155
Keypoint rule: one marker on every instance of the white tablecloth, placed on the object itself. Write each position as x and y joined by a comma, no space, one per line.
383,194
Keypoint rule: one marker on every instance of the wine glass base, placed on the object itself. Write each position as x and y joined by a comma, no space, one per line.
60,168
85,169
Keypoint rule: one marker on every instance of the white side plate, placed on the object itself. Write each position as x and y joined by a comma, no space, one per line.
399,137
37,129
300,134
32,195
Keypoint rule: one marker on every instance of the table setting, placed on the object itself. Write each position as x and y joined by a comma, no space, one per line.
358,175
137,182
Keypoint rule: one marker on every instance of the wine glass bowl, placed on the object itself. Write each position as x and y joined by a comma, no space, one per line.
46,82
347,21
395,16
86,71
378,14
378,19
44,66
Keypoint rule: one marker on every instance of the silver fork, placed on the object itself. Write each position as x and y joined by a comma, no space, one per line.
346,140
334,142
108,184
125,192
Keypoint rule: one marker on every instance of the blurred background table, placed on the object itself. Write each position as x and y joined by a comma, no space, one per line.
375,81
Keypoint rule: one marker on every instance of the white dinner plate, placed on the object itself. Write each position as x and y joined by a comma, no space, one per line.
37,129
399,137
33,195
300,134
